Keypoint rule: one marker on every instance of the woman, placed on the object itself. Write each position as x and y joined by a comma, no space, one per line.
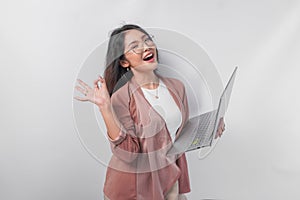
143,117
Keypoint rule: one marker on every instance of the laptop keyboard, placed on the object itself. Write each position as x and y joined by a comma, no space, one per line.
204,131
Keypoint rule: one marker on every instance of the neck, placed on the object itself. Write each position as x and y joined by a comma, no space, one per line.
149,80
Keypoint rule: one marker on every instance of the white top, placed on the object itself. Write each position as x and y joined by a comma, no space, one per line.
166,106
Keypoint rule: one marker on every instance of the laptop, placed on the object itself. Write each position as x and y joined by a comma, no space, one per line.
200,131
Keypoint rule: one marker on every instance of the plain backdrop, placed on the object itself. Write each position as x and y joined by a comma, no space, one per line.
44,43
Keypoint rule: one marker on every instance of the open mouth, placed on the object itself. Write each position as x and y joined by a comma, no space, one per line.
148,57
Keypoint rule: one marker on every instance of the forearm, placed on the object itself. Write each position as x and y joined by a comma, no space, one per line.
111,121
125,145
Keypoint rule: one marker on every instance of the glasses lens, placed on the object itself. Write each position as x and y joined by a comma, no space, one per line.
149,42
140,48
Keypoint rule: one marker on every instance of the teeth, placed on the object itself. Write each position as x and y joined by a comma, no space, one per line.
149,55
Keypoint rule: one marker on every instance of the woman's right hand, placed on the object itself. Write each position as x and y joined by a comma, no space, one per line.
96,95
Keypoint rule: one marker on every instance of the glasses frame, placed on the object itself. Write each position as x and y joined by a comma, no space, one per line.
151,37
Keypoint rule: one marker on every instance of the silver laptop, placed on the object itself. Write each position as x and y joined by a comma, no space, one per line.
201,130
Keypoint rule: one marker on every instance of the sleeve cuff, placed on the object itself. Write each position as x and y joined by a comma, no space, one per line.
119,139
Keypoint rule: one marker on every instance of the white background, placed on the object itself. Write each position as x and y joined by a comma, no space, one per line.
44,43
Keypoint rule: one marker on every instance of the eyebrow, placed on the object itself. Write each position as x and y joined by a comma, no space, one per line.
136,40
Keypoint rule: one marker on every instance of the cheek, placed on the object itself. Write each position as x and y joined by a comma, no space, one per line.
134,58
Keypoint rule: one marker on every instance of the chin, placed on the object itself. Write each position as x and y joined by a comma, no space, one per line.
153,65
146,67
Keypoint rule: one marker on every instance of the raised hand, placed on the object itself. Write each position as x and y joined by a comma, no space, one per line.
98,94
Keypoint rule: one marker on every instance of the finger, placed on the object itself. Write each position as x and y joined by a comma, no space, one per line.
221,123
80,98
101,79
217,135
220,127
80,89
220,132
83,84
103,82
97,84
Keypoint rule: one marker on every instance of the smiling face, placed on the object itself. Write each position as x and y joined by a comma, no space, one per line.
140,51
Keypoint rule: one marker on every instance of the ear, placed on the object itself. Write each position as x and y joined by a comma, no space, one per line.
124,63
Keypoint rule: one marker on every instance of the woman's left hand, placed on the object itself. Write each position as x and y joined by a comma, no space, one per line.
221,128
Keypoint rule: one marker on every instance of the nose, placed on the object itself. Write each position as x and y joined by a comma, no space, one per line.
145,47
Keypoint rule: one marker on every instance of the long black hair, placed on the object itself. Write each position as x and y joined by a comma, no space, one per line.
115,54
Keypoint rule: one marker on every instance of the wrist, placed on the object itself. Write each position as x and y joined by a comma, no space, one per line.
105,108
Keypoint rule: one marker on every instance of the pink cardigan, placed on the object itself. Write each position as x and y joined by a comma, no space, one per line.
139,168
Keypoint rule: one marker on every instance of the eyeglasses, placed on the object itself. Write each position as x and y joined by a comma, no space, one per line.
138,48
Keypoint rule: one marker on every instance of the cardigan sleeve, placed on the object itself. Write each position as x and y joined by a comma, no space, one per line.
126,146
